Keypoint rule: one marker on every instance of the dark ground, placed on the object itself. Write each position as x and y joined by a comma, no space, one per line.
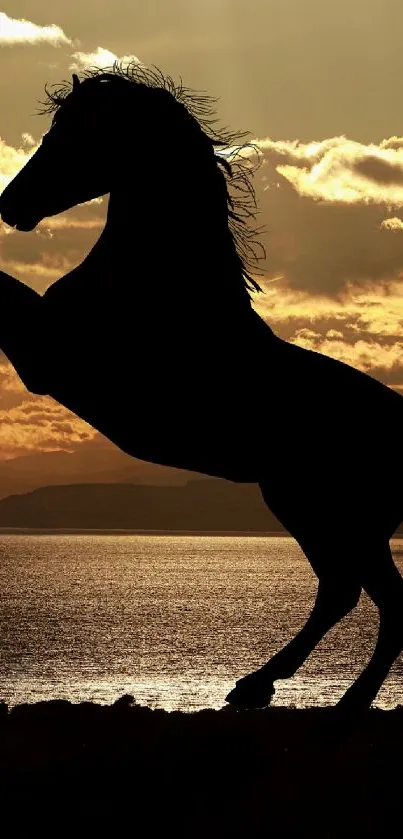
90,769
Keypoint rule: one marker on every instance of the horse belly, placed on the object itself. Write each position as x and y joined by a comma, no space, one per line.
176,432
186,436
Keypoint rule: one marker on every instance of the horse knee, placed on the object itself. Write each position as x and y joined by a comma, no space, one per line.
339,599
22,334
351,597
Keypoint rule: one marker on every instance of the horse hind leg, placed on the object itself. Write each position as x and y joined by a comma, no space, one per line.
21,330
338,593
384,584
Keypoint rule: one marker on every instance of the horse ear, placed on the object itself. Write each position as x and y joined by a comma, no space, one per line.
76,81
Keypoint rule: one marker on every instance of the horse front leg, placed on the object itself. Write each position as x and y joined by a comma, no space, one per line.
22,330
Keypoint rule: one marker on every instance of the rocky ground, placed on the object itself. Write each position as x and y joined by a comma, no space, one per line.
92,770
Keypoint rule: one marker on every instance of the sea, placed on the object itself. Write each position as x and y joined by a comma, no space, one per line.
172,620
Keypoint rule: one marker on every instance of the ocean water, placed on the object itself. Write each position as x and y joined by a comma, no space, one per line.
173,620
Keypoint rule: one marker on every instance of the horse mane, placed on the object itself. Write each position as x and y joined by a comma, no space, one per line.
234,161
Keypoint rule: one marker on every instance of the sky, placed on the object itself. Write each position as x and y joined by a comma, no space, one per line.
318,88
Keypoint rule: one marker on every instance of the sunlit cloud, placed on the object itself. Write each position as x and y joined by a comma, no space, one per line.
320,245
339,170
367,356
58,222
376,314
46,270
363,329
101,58
13,159
21,31
30,423
47,227
394,223
9,381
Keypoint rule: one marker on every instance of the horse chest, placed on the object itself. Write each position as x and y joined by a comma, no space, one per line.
168,393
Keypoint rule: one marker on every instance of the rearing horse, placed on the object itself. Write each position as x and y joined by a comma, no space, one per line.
153,340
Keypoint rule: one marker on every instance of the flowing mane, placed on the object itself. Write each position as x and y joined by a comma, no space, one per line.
234,166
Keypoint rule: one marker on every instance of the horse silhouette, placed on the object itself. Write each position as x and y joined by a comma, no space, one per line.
153,340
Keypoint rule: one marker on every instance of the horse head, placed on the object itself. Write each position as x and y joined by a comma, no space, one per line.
80,158
137,136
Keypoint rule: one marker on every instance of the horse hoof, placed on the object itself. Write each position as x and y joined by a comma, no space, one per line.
350,706
250,698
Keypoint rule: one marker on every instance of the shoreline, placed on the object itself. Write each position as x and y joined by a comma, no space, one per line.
109,531
137,531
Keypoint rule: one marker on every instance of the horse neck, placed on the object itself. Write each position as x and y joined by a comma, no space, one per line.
168,256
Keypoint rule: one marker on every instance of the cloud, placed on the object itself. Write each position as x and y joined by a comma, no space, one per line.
62,222
370,314
369,356
394,223
30,423
392,143
316,245
12,390
21,31
13,159
339,170
319,245
99,58
364,329
47,270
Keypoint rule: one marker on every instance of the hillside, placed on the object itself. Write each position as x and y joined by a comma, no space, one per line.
89,464
199,505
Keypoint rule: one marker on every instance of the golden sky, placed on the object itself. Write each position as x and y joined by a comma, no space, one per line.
318,87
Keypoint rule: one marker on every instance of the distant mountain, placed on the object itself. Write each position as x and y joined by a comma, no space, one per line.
89,464
202,505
